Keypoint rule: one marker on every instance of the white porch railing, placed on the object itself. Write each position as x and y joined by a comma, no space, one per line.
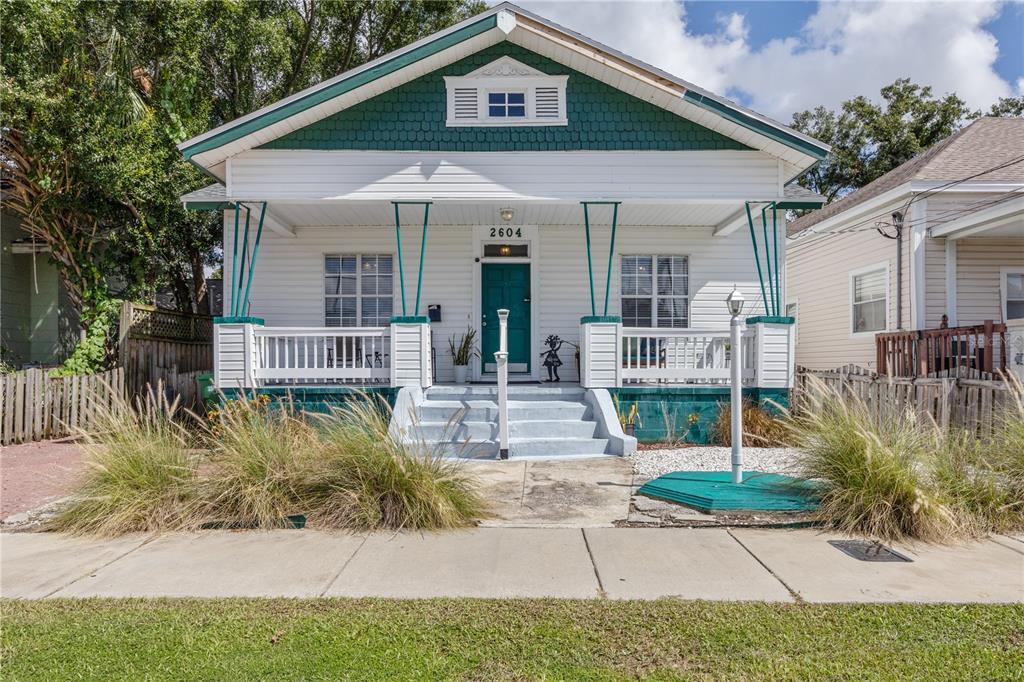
290,355
681,356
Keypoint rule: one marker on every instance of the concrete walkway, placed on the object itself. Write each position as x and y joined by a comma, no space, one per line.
616,563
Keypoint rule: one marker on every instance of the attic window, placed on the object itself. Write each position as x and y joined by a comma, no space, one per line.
506,93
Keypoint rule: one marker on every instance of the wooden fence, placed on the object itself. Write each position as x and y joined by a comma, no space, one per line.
153,342
35,406
955,400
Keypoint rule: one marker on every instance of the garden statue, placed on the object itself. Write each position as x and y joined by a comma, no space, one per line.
551,359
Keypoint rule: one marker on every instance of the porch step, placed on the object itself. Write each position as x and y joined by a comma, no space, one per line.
544,421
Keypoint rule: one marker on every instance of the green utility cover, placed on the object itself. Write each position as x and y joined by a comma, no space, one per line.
711,491
412,117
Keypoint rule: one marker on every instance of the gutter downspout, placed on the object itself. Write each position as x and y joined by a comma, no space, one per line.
897,221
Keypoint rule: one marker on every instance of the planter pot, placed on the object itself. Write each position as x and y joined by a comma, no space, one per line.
630,430
460,373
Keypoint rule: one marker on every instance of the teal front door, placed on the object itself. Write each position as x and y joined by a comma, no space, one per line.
505,285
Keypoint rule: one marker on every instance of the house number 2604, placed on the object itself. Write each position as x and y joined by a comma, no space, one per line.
506,232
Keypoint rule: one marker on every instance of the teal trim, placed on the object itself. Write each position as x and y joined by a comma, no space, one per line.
775,247
751,123
239,320
590,264
589,319
423,249
770,303
319,399
771,319
410,319
412,117
252,260
234,260
341,87
236,303
611,253
757,259
799,205
398,242
689,412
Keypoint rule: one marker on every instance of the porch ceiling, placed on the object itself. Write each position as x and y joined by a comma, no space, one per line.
351,213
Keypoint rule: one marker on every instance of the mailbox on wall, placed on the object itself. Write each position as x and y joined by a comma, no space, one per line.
434,312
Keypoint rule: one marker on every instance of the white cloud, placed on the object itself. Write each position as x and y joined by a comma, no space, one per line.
843,50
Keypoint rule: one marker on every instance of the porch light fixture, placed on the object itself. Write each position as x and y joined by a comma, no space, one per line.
505,250
735,305
507,214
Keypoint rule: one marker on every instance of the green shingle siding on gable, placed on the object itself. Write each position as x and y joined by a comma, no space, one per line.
412,118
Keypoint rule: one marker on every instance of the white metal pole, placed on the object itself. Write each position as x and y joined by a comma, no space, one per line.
736,367
501,358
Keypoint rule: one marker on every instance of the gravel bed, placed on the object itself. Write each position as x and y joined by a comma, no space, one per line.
654,463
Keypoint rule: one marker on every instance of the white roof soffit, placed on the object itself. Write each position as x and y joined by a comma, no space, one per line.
505,21
1004,214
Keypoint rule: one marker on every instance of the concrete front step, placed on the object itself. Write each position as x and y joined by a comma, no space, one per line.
485,410
556,447
539,429
530,392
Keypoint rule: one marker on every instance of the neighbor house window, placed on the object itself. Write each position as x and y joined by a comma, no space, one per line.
1013,295
655,291
506,104
869,299
357,290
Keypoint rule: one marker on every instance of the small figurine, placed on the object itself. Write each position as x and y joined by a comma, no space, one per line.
551,359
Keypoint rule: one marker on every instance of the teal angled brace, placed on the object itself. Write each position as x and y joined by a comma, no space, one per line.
423,246
423,250
252,260
611,254
401,270
236,306
234,262
778,277
590,264
768,262
757,258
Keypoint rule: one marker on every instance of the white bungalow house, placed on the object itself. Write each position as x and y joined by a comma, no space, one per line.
922,270
506,162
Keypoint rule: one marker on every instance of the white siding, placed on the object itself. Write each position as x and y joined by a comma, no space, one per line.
271,175
287,287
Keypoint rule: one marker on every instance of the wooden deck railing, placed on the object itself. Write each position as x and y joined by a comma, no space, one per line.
924,352
681,356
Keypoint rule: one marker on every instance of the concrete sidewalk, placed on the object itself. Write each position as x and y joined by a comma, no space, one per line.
617,563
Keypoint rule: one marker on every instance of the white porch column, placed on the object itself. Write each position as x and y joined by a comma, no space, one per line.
773,351
1015,347
410,352
234,351
600,341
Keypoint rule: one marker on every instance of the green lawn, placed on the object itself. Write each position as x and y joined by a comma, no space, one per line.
487,639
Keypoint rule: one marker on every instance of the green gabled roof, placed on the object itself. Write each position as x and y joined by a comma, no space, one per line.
412,117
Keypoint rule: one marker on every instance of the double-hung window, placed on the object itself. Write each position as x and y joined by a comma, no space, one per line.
655,291
1013,294
869,301
358,290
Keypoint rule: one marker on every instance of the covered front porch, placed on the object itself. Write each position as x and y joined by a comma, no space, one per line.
601,293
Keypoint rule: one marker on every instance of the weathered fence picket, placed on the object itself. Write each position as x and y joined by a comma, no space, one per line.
34,406
952,400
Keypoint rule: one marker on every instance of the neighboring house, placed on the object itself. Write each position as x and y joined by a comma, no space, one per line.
38,323
961,205
600,200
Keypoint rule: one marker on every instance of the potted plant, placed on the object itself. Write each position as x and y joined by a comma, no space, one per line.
462,352
627,419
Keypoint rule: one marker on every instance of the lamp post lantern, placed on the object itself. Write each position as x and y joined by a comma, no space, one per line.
735,305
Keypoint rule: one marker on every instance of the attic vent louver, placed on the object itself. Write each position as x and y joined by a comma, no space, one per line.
465,103
547,102
506,92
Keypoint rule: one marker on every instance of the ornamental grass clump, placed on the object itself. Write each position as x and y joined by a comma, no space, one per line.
367,478
875,474
261,459
141,474
761,429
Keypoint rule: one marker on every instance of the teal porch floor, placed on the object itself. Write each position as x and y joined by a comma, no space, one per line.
711,491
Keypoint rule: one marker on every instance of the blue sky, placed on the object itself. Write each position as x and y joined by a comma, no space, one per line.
782,57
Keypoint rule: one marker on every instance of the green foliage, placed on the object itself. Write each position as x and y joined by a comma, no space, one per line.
91,353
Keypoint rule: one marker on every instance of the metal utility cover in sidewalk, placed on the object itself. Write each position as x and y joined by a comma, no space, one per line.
714,491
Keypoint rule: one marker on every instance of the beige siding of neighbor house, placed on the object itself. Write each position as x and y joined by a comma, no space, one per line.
979,261
818,279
